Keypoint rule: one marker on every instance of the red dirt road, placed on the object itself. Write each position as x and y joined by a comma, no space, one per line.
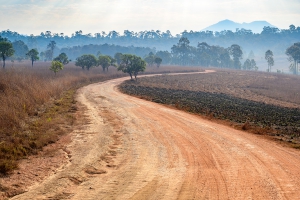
134,149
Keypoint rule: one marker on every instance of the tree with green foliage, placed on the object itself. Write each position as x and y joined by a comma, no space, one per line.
33,55
205,59
250,65
6,49
150,59
247,65
51,46
271,37
118,57
270,59
86,61
56,66
294,56
181,51
104,61
204,54
113,61
20,49
158,61
63,58
237,54
224,59
132,65
165,56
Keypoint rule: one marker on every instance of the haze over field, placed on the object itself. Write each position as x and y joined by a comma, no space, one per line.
139,27
35,16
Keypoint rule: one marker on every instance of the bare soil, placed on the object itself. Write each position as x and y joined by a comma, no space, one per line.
134,149
269,88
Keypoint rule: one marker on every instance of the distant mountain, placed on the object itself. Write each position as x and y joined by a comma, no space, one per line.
256,26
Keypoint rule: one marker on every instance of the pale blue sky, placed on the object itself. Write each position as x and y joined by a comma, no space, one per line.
36,16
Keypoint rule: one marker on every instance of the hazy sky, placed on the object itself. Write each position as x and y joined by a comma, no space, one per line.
92,16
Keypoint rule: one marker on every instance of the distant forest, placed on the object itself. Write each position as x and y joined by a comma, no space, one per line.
270,38
143,42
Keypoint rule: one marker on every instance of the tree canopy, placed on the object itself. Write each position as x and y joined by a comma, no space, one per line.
270,59
250,65
150,59
158,61
270,38
86,61
165,56
193,48
63,58
6,49
20,49
294,56
132,65
182,50
56,66
237,54
104,61
118,57
33,55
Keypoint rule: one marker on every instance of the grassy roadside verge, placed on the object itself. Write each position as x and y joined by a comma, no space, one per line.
43,128
37,107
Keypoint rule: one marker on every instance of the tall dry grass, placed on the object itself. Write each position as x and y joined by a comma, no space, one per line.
23,88
26,114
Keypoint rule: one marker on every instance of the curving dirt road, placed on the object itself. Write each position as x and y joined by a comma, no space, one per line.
134,149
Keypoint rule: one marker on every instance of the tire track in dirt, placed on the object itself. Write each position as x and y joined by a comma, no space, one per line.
134,149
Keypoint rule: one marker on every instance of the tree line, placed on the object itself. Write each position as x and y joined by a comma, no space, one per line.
270,38
126,63
181,53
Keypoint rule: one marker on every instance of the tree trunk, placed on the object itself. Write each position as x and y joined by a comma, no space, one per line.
31,63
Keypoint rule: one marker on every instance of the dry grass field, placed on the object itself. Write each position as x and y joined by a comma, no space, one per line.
37,106
254,101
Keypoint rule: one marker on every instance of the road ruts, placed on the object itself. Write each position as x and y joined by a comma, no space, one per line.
134,149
